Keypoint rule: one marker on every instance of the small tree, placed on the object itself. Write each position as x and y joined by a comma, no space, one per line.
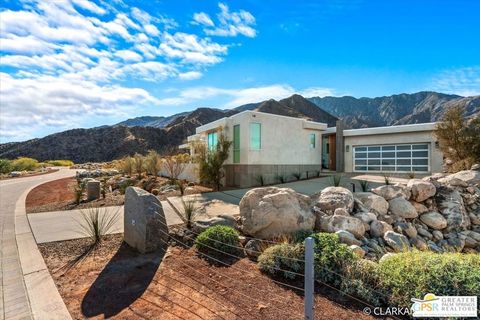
175,164
211,161
459,139
153,163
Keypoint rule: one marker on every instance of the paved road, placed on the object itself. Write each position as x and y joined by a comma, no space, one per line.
14,301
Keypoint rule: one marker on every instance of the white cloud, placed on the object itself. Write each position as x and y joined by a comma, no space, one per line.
190,75
237,97
28,45
60,103
90,6
464,81
230,24
128,55
317,92
151,30
203,19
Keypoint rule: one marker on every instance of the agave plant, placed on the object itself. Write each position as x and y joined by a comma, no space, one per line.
260,180
297,175
365,185
190,210
336,180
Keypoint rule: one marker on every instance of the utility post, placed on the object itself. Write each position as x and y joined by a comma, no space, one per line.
309,278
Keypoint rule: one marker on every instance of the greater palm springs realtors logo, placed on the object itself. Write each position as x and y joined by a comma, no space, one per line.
444,306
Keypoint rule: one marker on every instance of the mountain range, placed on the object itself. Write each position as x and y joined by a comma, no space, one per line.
159,133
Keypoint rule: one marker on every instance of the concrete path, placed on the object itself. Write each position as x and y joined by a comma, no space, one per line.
27,289
66,225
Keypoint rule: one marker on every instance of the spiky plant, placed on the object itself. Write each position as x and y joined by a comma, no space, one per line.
190,211
336,180
181,186
365,185
297,175
260,180
411,175
280,178
95,224
387,179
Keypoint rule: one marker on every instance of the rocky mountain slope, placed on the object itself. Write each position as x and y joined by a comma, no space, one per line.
144,133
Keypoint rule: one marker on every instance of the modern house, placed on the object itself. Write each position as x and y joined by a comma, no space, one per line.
273,147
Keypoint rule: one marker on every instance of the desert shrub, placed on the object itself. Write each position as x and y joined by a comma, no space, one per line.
411,175
336,180
190,211
297,175
287,257
96,225
414,274
332,258
6,166
126,165
24,163
78,191
260,180
181,186
387,179
175,163
139,164
153,163
123,186
60,163
280,178
218,239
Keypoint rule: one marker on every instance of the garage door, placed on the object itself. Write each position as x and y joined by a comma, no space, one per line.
394,158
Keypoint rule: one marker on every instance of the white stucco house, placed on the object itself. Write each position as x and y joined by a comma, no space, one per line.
271,145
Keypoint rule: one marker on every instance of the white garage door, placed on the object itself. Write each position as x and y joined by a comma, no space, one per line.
394,158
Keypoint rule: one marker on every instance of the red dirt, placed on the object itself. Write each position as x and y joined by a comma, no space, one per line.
116,282
51,192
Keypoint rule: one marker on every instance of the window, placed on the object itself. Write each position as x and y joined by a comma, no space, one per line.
212,140
255,136
312,140
236,143
404,157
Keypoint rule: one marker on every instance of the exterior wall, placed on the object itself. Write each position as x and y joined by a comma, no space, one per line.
190,173
244,176
436,156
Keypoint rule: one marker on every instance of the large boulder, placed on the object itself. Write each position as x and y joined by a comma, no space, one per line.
145,226
332,198
421,190
267,212
335,223
389,192
373,202
402,208
396,241
434,220
379,228
450,204
348,238
468,176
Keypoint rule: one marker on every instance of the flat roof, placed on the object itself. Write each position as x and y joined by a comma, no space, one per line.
417,127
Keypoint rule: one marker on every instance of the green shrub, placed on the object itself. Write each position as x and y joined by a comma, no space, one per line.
24,164
283,256
218,239
60,163
332,258
414,274
122,187
6,166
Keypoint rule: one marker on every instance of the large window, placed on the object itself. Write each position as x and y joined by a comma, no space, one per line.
400,158
236,143
312,140
212,140
255,136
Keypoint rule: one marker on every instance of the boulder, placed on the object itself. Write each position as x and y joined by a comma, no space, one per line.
419,243
341,212
366,217
332,198
358,251
348,238
434,220
450,204
437,235
335,223
475,167
421,190
373,202
386,256
419,207
396,241
145,226
267,212
389,192
400,207
407,228
253,248
379,228
468,176
223,220
93,190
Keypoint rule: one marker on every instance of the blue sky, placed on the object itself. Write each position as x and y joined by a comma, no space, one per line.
79,63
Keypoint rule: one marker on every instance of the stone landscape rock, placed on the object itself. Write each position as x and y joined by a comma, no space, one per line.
389,192
373,202
451,206
347,238
421,190
379,228
223,220
332,198
93,190
145,226
253,248
419,207
419,243
468,176
267,212
358,251
341,212
434,220
335,223
396,241
475,167
400,207
366,217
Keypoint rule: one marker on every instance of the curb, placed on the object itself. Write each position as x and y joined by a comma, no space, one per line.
45,300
